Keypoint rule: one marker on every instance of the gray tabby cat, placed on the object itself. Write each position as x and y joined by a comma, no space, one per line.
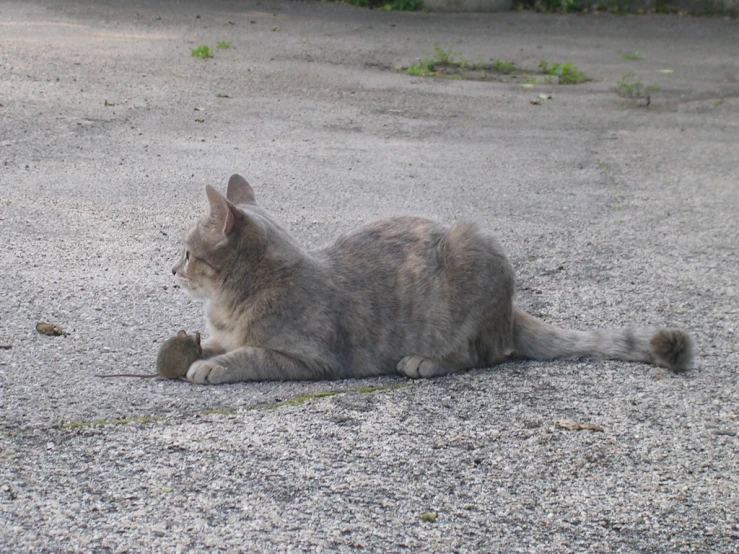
400,295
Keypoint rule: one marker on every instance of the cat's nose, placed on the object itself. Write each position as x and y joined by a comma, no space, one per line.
174,271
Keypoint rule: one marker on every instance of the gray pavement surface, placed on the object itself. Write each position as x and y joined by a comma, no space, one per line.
611,212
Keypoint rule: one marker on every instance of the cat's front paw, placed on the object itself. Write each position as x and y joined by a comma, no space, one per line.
207,372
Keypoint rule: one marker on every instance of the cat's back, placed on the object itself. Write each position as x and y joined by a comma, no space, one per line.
410,250
388,235
411,236
386,244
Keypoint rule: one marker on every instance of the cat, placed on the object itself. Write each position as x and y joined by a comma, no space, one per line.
401,295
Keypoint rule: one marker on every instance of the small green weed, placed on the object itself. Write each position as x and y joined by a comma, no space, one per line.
371,388
442,58
629,86
375,388
203,52
445,57
429,517
223,44
566,73
421,69
635,55
83,424
302,399
221,95
451,65
503,67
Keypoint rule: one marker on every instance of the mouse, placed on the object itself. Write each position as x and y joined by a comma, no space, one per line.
174,359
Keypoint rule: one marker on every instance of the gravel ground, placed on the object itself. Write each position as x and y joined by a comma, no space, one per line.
612,213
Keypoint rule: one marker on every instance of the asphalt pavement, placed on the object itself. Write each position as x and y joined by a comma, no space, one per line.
612,212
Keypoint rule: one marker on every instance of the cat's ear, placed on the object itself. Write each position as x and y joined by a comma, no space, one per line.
222,211
239,191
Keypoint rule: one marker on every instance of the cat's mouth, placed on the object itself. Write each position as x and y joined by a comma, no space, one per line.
190,287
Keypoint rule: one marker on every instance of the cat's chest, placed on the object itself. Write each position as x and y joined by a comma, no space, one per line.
229,331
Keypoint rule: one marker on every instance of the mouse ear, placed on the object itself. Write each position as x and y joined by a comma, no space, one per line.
197,338
181,334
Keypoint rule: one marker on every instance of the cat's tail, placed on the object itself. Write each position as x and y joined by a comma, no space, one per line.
534,339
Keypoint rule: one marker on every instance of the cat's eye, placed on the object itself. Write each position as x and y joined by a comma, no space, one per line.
187,255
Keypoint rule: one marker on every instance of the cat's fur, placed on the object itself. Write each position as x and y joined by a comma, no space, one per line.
400,295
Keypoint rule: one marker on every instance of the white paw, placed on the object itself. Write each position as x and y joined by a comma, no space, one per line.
206,372
415,367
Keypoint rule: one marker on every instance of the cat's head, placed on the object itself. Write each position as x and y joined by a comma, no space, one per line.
225,243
